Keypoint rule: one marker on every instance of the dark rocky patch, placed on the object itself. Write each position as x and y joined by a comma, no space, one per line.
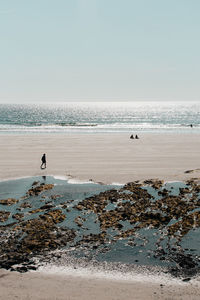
9,201
132,204
30,238
18,216
4,215
25,205
35,191
54,197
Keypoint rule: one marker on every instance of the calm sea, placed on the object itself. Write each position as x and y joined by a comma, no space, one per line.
99,117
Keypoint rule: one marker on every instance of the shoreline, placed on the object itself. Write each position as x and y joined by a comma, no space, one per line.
128,132
79,181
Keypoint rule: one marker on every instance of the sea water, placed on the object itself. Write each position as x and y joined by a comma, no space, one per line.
100,117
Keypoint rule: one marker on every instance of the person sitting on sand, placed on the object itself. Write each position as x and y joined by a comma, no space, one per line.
131,137
136,137
43,159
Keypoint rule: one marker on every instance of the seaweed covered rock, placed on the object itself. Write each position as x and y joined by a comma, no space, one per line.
155,183
33,237
79,221
18,216
25,205
9,201
53,216
4,215
132,213
36,190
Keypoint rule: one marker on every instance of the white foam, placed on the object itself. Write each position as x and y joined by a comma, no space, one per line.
117,183
60,177
72,180
78,181
174,181
94,273
67,178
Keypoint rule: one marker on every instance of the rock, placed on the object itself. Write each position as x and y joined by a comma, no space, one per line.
186,279
35,191
55,216
18,216
184,191
189,171
155,183
47,206
80,207
79,221
35,211
35,183
163,193
4,215
54,197
32,237
64,206
9,201
25,205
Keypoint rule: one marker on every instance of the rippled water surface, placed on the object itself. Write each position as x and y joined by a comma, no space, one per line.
100,117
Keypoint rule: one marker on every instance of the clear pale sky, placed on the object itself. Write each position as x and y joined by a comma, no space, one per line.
103,50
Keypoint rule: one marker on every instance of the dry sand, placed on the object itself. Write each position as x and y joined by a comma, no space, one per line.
107,158
38,286
103,158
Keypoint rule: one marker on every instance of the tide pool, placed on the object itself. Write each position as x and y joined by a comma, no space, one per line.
131,225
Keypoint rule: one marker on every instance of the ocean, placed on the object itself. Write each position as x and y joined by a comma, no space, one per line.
96,117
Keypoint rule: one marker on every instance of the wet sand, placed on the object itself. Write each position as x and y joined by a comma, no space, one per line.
103,158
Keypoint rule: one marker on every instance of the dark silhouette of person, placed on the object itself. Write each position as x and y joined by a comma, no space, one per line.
191,125
131,137
136,137
44,163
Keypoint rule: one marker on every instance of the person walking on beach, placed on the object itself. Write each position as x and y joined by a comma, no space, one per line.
43,159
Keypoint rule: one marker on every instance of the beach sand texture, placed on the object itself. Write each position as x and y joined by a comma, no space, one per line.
103,158
106,158
38,286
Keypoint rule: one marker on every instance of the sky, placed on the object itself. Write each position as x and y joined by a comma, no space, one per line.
99,50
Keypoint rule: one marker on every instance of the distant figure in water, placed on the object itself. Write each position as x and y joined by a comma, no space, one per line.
191,125
131,137
136,137
43,159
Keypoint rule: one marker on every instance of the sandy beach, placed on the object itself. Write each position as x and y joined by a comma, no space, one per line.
101,158
102,216
41,286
